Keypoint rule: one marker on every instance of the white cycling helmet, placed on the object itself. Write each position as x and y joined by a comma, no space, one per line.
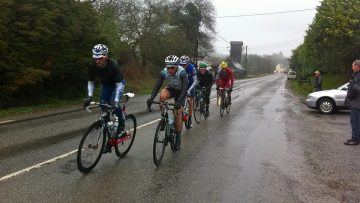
184,59
171,60
99,51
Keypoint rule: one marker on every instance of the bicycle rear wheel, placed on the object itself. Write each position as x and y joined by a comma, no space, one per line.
160,142
130,130
228,104
197,110
91,147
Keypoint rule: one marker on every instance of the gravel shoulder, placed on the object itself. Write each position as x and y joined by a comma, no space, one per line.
330,168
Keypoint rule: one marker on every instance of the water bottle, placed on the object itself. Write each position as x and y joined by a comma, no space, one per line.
170,117
112,128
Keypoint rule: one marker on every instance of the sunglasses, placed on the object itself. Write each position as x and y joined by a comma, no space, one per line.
171,67
99,59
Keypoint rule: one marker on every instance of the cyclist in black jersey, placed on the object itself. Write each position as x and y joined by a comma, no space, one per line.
108,71
205,79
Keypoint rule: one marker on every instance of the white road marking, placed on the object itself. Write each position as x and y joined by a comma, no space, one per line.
57,158
8,121
36,166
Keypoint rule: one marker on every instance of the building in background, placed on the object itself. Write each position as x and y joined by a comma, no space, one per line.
234,60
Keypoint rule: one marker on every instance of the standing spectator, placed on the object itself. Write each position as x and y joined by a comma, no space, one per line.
318,81
353,100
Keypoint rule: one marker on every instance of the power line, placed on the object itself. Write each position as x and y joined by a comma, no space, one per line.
222,38
262,14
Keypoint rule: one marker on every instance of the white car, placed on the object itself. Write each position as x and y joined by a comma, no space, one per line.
328,101
291,75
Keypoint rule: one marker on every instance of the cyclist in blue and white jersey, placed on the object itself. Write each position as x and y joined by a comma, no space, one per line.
176,87
192,79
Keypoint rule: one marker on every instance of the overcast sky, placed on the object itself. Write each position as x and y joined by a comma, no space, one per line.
263,34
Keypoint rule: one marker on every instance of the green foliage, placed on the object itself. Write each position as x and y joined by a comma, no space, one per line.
46,45
45,48
332,42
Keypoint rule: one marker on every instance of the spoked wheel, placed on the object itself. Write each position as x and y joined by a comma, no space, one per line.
91,147
228,105
171,138
222,105
197,110
203,107
130,131
159,142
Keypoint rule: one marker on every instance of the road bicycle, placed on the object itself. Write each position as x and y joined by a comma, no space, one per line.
165,132
102,131
225,101
199,104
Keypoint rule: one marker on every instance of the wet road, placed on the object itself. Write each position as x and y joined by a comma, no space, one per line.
270,148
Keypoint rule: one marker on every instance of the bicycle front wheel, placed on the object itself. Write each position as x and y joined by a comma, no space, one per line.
222,105
197,110
130,131
159,142
91,147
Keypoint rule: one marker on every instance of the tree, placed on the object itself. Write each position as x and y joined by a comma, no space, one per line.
45,48
333,39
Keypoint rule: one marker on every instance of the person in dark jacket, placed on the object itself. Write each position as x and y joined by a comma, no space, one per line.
353,100
318,81
205,79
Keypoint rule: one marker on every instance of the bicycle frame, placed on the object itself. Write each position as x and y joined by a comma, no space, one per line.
105,117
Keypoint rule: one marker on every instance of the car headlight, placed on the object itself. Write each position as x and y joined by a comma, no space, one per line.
310,97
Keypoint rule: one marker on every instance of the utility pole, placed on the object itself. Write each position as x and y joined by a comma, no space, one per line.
258,65
246,60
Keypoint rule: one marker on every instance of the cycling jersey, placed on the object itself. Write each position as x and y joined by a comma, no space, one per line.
205,80
225,78
112,84
191,72
177,84
108,75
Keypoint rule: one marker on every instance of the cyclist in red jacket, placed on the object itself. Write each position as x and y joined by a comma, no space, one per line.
225,78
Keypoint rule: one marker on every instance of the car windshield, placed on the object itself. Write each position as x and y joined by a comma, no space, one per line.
292,73
343,87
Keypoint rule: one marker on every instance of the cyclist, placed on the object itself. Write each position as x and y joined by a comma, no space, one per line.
177,83
190,69
108,71
225,78
205,79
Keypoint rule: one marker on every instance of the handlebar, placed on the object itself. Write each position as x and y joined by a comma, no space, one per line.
165,103
107,107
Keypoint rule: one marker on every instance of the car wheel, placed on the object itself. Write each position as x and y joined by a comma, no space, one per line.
327,106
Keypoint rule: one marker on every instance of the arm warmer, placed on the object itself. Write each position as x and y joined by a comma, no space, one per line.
91,87
184,85
119,90
156,88
194,83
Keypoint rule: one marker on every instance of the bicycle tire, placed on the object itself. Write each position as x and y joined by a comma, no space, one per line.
160,142
197,110
187,124
170,134
228,106
222,104
95,134
130,129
